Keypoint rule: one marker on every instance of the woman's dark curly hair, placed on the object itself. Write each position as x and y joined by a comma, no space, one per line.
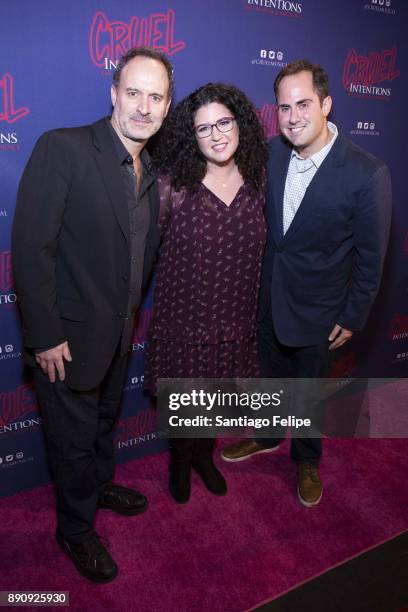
178,155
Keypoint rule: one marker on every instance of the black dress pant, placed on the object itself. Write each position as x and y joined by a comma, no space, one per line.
78,427
280,361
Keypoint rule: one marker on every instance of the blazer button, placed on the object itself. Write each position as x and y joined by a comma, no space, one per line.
124,278
122,315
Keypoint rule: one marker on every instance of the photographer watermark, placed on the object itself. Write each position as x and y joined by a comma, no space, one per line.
268,407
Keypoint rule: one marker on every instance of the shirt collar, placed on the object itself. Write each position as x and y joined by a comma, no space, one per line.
318,157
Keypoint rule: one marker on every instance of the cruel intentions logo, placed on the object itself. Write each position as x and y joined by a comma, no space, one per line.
109,40
283,8
399,328
268,116
16,409
7,295
10,113
136,429
362,74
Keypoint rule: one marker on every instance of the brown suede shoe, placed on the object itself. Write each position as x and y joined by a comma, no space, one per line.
244,449
310,487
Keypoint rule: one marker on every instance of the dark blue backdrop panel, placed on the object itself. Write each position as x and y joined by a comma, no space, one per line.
56,66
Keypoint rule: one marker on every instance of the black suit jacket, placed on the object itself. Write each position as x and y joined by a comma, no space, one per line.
71,249
327,268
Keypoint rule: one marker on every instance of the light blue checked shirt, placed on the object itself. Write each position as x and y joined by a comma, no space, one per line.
300,173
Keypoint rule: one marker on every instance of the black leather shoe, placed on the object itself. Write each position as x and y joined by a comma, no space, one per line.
204,466
180,481
122,500
90,557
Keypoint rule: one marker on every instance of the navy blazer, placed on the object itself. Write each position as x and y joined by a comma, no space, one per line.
327,268
71,249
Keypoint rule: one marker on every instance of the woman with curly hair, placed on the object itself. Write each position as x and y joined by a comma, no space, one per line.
212,158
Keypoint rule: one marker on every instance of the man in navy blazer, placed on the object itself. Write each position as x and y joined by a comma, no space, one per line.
328,212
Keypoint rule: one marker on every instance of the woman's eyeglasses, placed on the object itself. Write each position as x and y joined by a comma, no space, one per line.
225,124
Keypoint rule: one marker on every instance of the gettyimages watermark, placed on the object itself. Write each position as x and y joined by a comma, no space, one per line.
270,407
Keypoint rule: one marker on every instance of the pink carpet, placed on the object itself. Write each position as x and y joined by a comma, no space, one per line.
217,554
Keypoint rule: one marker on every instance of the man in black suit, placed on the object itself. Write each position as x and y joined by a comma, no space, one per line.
328,212
84,242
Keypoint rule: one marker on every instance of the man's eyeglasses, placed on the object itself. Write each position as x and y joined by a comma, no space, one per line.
225,124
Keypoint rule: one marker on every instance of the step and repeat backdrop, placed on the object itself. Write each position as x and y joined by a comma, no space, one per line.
56,66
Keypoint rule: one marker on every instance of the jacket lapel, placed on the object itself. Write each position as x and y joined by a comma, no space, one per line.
277,172
107,161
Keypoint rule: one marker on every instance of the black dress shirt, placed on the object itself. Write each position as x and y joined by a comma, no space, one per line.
137,197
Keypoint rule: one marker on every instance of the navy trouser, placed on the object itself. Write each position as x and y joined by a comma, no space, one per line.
280,361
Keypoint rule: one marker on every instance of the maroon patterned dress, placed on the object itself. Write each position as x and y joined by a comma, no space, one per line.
204,311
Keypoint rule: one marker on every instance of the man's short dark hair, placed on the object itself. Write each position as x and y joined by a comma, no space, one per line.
319,76
144,52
